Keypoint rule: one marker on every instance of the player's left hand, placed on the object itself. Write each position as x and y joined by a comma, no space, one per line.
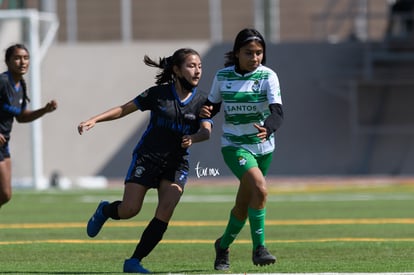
186,141
262,132
205,111
51,106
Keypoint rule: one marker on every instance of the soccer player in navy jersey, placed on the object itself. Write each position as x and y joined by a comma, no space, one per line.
13,104
159,159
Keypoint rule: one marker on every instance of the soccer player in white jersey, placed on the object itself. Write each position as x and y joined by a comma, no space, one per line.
252,103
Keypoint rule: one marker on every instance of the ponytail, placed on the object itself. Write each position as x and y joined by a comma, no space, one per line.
166,64
24,87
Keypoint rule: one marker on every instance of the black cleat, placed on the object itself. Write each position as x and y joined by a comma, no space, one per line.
222,257
262,257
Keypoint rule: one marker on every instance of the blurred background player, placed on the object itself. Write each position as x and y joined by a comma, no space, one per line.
13,104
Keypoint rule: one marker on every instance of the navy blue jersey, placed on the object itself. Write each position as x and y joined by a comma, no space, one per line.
170,119
12,103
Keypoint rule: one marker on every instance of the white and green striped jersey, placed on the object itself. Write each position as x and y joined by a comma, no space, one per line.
245,100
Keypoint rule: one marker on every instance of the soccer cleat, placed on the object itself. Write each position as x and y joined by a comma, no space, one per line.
134,266
96,222
262,257
222,261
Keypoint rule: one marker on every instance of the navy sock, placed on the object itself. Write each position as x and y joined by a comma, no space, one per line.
111,210
151,236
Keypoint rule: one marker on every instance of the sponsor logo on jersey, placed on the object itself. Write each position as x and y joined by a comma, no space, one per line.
190,116
240,109
162,108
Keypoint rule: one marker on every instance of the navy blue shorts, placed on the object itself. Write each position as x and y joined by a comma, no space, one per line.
4,151
149,169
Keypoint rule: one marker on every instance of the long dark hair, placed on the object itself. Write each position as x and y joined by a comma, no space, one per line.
166,64
244,37
9,52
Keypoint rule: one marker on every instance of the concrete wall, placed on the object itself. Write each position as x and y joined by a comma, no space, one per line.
99,20
316,138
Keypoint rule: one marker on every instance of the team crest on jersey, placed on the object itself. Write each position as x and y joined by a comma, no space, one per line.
138,171
242,161
228,85
256,86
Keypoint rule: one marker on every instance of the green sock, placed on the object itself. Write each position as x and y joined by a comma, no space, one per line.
234,226
257,226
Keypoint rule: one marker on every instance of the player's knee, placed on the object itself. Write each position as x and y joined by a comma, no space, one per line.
261,190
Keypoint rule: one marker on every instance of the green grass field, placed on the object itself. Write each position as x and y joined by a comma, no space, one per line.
329,228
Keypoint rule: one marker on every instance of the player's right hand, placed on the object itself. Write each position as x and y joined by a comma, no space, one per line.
85,126
205,111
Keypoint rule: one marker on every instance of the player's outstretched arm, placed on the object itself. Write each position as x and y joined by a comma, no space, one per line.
30,115
111,114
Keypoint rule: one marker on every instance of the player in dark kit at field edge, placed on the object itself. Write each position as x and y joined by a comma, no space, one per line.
13,104
160,158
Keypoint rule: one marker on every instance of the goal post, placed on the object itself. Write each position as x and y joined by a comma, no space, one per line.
38,45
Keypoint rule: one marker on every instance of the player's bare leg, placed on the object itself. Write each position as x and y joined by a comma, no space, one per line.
5,181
